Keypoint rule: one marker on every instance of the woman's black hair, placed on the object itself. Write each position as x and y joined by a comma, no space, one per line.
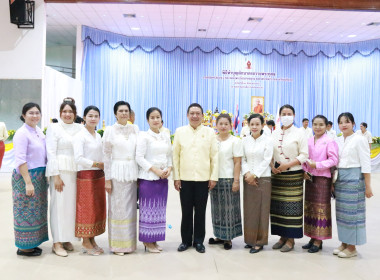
364,124
121,103
287,106
71,105
226,116
347,115
271,122
330,123
89,108
257,116
325,120
151,110
27,107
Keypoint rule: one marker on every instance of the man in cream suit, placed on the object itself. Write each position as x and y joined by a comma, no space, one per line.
195,161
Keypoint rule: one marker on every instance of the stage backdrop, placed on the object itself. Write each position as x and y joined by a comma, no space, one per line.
171,73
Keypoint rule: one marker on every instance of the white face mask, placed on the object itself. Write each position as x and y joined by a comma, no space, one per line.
287,120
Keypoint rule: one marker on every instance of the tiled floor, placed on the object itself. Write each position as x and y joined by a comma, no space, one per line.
216,263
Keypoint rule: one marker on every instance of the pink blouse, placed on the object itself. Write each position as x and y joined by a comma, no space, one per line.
325,153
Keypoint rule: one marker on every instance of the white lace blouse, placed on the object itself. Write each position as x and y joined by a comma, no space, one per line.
59,147
153,149
119,151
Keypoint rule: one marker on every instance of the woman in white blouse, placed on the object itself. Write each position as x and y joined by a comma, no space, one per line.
154,156
91,198
290,152
225,197
120,168
352,187
258,152
62,171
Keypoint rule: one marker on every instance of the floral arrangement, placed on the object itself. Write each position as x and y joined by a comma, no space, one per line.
267,116
11,133
376,140
101,132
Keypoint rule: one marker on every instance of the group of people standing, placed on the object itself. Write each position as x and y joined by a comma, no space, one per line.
80,167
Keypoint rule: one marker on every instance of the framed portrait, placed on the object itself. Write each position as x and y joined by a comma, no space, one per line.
257,104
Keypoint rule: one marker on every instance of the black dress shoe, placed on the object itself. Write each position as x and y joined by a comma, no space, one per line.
247,246
33,253
200,248
183,247
253,250
315,249
38,249
227,245
308,245
213,241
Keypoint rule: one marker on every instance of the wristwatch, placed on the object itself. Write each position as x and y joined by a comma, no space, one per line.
97,164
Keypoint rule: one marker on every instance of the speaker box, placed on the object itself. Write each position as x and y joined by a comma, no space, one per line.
18,11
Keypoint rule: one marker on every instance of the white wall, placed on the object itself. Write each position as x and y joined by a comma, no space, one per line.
22,51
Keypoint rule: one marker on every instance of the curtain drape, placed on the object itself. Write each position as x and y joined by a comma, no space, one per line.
171,73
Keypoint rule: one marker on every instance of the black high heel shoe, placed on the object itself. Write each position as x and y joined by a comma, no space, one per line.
308,245
315,249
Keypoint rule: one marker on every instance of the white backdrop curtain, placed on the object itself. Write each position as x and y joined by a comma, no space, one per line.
57,86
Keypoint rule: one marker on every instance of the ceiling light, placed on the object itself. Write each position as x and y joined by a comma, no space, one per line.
141,16
373,24
246,31
129,15
291,20
351,36
327,22
257,19
135,28
310,34
202,30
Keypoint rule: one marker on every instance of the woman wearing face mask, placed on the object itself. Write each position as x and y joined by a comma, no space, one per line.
258,152
154,156
91,197
29,184
290,152
225,197
62,172
352,187
121,171
323,154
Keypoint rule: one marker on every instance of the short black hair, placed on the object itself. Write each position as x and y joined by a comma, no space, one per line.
121,103
321,117
364,124
27,107
257,116
271,122
194,105
347,115
287,106
151,110
330,123
305,119
89,108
